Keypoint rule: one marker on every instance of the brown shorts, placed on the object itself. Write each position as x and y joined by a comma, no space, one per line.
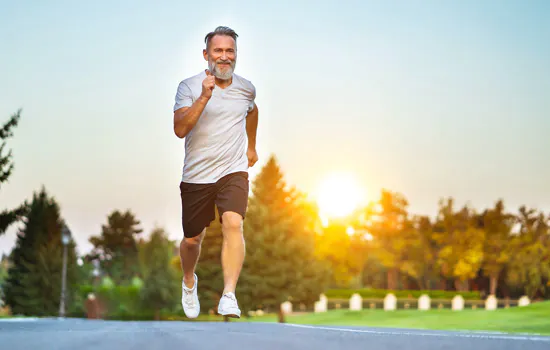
198,201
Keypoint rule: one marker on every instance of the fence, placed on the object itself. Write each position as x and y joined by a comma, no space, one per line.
391,303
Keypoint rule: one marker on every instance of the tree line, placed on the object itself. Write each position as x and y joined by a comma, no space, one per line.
290,254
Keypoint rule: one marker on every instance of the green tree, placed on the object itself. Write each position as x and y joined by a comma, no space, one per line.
280,232
34,278
4,266
497,225
160,281
426,253
530,259
116,246
9,216
388,222
343,253
461,241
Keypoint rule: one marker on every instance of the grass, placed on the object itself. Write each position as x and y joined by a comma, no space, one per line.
532,319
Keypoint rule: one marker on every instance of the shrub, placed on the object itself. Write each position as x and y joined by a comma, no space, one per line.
381,294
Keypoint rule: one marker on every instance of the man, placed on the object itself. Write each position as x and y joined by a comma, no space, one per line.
216,114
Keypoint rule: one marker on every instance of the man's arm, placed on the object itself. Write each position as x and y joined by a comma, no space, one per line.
185,118
251,128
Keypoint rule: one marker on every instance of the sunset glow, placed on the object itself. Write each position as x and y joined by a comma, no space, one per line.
338,195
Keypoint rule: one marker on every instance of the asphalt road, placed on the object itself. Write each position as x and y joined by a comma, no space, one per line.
82,334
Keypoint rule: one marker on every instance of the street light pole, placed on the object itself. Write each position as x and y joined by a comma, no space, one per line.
65,239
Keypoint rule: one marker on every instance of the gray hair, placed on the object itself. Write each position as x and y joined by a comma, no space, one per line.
221,30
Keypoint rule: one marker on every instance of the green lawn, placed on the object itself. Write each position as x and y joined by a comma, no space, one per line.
534,318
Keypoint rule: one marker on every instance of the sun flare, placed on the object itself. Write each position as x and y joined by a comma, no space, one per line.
338,195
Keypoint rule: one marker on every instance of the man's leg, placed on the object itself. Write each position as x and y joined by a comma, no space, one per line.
190,249
232,200
197,212
233,249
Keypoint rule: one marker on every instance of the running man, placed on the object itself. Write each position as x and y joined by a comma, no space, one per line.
216,114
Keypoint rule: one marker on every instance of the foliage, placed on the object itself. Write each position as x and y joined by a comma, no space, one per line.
497,225
343,253
160,284
9,216
116,246
381,294
461,253
530,261
34,282
280,236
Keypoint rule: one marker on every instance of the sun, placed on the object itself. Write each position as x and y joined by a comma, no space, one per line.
338,195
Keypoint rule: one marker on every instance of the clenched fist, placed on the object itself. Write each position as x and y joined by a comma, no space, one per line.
252,156
208,84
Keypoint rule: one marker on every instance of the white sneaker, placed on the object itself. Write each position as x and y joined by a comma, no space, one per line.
190,299
228,306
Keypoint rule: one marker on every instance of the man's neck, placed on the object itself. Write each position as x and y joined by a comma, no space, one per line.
224,83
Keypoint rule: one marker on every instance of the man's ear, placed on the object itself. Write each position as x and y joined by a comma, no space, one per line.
205,54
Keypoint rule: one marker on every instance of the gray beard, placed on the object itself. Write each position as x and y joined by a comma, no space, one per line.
222,76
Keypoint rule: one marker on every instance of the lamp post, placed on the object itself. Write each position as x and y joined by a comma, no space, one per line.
65,239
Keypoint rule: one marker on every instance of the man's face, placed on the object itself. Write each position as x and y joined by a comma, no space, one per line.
221,56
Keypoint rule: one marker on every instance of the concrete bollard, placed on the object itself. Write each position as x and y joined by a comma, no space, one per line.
356,302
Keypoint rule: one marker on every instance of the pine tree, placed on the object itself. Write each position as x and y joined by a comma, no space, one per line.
116,247
34,278
280,264
9,216
160,283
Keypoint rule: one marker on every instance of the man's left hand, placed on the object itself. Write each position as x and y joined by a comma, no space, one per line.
252,157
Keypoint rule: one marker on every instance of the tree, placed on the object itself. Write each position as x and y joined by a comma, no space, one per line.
530,261
496,252
160,282
461,241
280,242
116,247
34,278
426,253
344,254
391,229
9,216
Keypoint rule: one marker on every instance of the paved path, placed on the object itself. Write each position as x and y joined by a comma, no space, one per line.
82,334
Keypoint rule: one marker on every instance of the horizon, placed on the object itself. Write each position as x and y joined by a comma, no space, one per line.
429,100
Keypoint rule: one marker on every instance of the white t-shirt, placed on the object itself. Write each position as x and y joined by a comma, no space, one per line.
217,144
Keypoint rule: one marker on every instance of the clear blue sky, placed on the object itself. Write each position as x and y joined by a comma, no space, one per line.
428,98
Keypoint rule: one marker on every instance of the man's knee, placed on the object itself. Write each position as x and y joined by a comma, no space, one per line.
194,241
232,222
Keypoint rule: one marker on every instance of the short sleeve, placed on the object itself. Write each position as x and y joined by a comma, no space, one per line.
253,97
184,97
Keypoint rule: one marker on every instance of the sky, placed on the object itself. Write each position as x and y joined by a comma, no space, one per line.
431,99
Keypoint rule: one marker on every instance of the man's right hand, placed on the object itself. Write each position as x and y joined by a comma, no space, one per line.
208,85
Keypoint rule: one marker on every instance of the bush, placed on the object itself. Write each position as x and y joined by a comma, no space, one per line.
381,294
116,299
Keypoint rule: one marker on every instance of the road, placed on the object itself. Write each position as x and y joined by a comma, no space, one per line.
69,334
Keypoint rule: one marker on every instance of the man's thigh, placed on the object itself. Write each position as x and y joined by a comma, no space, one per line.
232,194
197,207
